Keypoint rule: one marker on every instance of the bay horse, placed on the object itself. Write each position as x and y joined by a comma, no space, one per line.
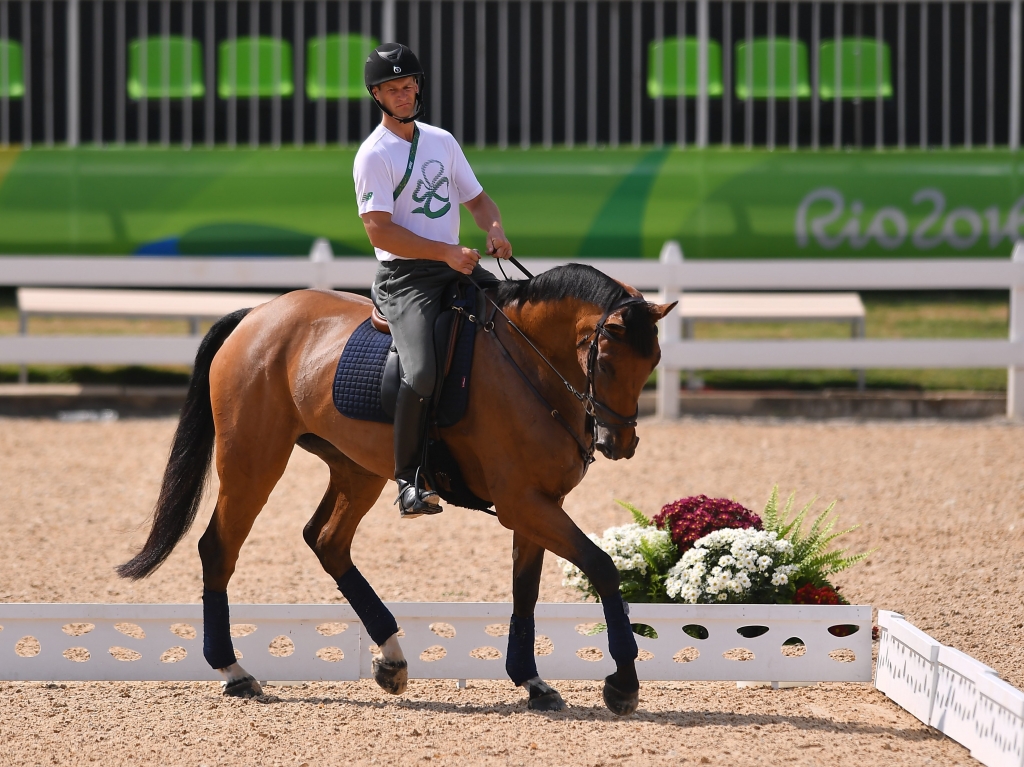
583,346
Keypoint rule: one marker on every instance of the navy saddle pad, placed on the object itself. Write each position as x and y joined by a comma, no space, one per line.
359,381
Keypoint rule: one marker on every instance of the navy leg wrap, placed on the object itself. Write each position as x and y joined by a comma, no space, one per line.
621,642
217,648
376,618
520,662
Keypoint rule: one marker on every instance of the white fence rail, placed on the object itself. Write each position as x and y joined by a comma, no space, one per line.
441,641
959,696
669,276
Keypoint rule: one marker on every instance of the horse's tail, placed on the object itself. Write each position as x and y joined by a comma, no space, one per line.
185,476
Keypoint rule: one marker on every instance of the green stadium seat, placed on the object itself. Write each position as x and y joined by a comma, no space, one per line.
262,82
859,77
758,51
14,85
669,84
352,50
151,84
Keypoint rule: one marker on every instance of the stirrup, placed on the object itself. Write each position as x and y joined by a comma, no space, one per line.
423,501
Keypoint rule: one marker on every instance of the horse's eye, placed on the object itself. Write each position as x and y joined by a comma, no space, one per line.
606,367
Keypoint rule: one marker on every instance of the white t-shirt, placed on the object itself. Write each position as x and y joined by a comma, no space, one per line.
440,181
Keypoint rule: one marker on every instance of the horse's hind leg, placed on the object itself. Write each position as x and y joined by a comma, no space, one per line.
248,469
521,661
351,493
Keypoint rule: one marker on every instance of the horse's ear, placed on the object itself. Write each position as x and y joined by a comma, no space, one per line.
658,311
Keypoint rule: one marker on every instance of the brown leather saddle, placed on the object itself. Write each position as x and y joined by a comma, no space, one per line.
379,321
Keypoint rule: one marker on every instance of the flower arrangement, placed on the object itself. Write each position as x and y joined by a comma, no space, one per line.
702,550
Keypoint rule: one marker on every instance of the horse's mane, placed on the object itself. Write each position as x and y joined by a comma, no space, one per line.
584,283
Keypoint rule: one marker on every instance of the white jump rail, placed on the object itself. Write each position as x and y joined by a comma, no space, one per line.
190,304
954,693
670,275
472,642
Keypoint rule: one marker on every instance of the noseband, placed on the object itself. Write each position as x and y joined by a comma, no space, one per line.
598,415
601,414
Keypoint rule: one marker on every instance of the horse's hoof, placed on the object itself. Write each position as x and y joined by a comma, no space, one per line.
246,687
547,701
392,676
619,702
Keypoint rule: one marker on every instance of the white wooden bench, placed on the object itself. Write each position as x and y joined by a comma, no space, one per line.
191,305
773,307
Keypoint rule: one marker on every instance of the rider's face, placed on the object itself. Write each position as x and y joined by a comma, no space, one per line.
399,96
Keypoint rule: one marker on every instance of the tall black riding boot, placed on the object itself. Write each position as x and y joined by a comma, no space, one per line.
411,412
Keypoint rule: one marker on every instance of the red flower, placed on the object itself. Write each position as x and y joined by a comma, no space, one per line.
690,519
809,595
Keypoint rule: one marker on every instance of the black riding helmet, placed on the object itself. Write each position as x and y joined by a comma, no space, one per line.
392,61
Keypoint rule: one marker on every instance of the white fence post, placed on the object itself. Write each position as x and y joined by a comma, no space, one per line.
321,254
668,375
1015,374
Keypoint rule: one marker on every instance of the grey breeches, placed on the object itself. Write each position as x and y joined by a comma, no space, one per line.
410,295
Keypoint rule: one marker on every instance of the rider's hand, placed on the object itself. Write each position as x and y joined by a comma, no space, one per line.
498,244
462,260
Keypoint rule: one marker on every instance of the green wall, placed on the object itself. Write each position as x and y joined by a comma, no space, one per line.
601,202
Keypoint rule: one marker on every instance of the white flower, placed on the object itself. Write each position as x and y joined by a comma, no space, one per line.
731,565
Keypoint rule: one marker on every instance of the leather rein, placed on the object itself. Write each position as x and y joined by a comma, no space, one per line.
598,414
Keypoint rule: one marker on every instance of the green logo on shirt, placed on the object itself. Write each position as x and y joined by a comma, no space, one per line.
367,197
431,188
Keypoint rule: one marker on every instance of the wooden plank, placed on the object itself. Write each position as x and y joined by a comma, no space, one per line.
771,306
845,354
137,303
358,272
723,355
98,350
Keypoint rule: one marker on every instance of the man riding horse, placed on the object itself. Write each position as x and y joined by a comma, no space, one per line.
559,362
406,175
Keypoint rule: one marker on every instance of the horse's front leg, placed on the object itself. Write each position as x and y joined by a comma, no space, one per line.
542,520
521,660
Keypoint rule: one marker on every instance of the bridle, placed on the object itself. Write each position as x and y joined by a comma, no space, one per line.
598,414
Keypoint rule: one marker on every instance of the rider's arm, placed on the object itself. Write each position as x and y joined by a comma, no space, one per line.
487,216
394,238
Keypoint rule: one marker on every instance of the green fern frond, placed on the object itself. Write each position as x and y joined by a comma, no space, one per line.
796,526
811,546
638,516
820,519
770,518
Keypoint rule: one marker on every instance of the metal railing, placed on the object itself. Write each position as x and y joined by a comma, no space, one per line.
532,72
668,276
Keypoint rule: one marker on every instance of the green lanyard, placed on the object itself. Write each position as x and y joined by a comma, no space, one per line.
412,160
